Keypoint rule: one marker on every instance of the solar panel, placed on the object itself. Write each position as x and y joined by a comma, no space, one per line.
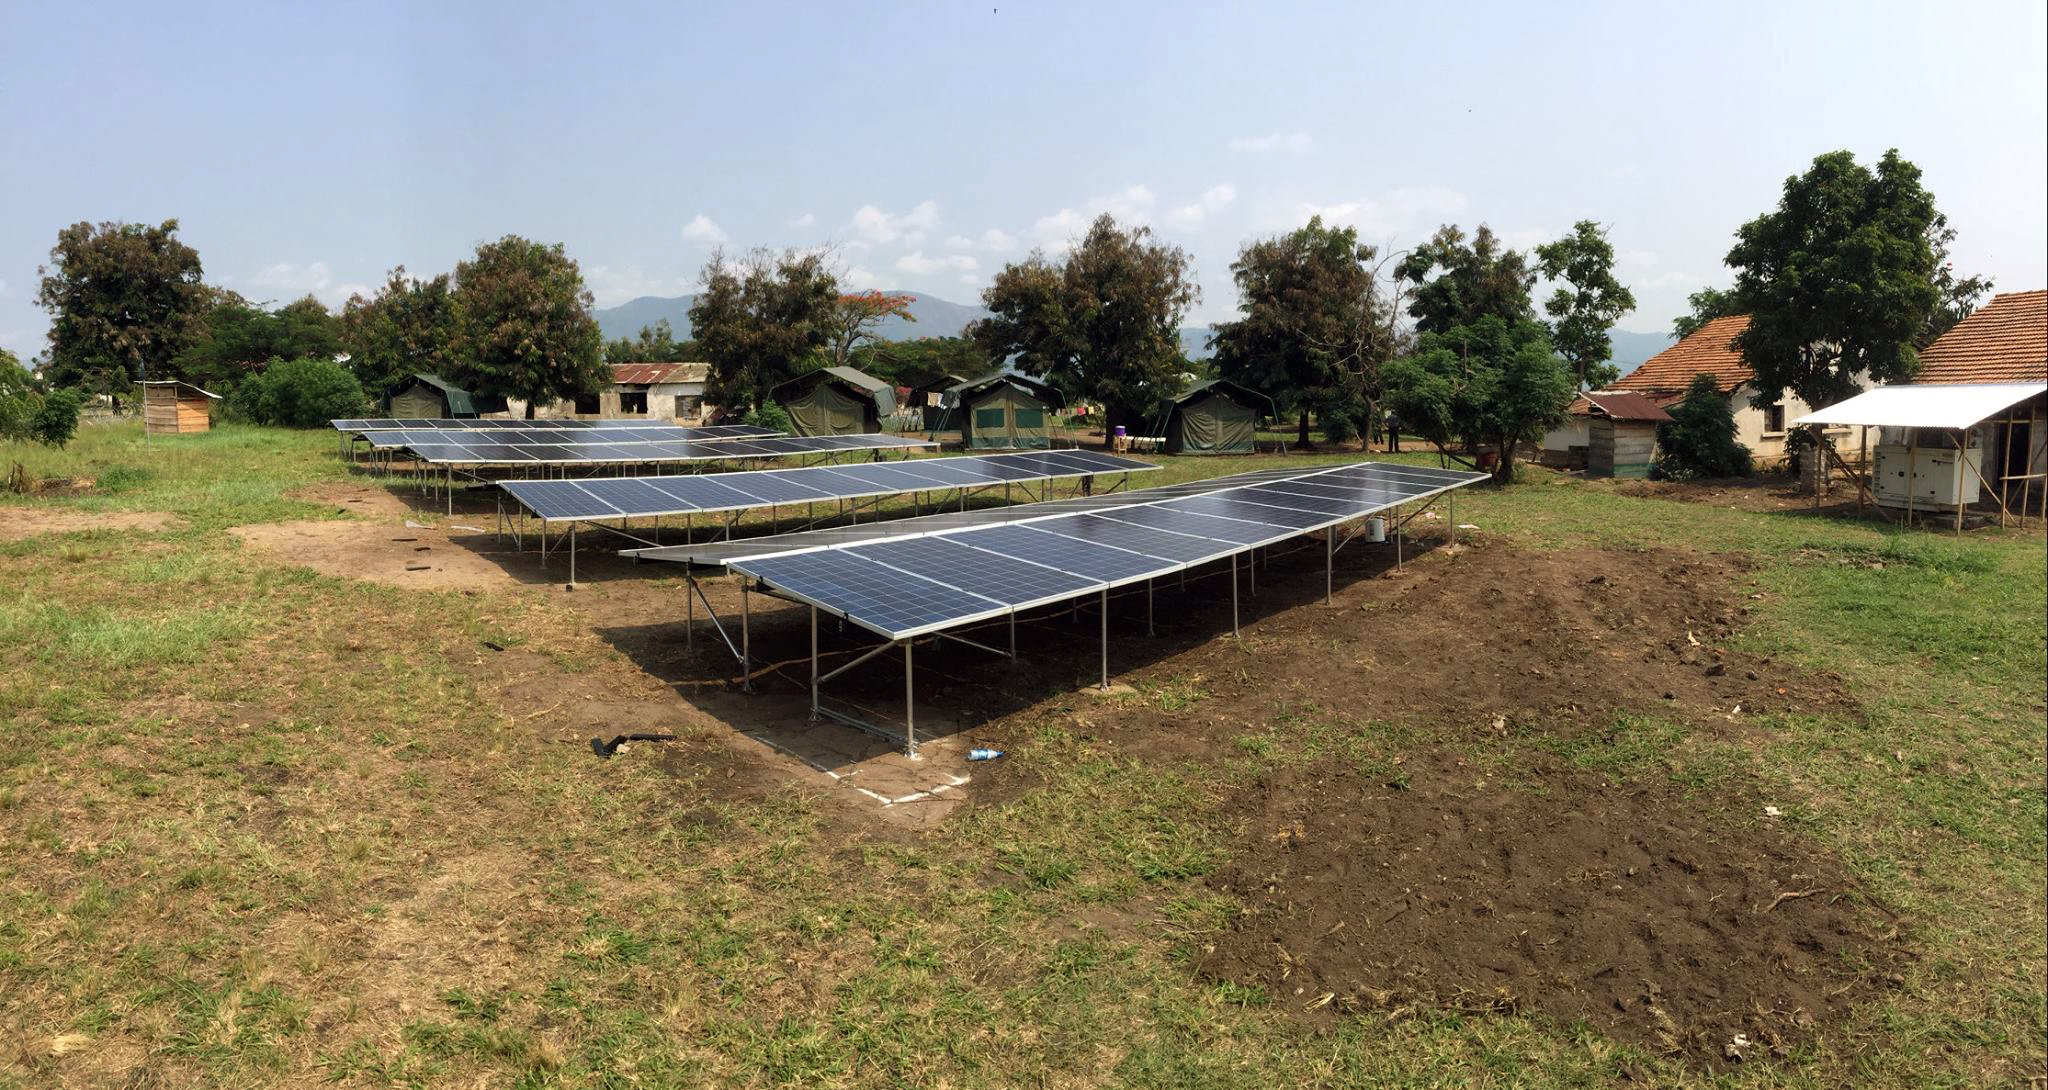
1030,542
876,597
1183,546
569,497
1004,579
1161,517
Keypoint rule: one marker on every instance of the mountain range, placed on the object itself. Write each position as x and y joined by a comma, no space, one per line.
936,317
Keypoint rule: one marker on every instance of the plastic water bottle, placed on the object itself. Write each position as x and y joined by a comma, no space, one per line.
983,754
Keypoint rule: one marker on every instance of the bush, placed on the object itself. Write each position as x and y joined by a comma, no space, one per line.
56,420
769,416
1699,439
301,393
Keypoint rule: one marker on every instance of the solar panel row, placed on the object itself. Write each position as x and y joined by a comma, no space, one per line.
720,553
648,433
649,497
358,426
908,586
463,450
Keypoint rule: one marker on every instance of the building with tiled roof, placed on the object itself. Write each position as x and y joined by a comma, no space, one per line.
2005,340
662,392
1710,350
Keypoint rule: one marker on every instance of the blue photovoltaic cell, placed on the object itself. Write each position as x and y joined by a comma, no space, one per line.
882,598
1226,505
705,493
1004,579
566,497
1186,545
1163,517
1090,561
628,494
777,487
1295,501
883,476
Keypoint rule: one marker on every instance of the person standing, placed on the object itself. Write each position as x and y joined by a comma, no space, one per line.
1393,433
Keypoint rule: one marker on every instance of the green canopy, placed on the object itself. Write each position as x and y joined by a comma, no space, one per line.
1006,411
835,401
431,397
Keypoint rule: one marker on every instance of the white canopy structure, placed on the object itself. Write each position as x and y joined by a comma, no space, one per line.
1950,406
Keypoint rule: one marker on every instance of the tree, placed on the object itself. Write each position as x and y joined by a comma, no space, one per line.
123,298
758,319
922,359
1954,299
1457,282
655,344
1707,305
1317,328
855,317
409,328
301,393
18,398
1699,439
238,339
523,325
1484,370
1103,324
1587,303
55,421
1487,382
1840,279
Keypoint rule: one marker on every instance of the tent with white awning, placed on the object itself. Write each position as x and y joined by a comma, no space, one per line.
1953,407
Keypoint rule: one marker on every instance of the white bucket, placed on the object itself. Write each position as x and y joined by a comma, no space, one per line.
1376,529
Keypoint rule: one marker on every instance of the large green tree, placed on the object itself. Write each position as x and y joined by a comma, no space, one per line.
1317,327
1587,302
1104,323
857,315
922,359
1707,304
123,298
655,344
1839,278
523,325
239,339
1484,372
409,327
760,320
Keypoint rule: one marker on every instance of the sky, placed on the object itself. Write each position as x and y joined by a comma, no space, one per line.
309,148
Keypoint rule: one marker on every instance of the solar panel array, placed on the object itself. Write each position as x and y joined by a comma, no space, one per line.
907,586
360,425
720,553
641,433
479,449
649,497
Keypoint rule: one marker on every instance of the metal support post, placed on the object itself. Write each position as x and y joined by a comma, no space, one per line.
689,608
1233,596
1330,566
572,554
909,704
1148,609
1105,639
814,664
746,648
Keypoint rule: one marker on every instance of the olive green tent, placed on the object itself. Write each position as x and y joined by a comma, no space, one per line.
1006,410
1216,416
431,397
935,398
835,401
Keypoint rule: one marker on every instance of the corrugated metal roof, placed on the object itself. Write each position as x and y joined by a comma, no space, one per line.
1625,405
187,385
648,374
1953,405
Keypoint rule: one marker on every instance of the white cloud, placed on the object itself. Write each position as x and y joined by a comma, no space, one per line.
701,229
970,278
612,286
996,241
1401,213
3,289
1215,200
860,279
874,226
1129,205
296,279
344,291
953,242
917,264
1272,142
805,220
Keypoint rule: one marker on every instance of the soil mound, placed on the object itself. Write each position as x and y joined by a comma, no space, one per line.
1685,927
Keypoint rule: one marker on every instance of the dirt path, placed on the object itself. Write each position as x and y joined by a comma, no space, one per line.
23,522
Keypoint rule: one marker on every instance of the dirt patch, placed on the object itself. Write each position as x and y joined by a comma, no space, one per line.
354,498
22,522
1683,927
384,552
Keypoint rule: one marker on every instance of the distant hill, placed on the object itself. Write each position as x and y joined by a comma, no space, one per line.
1631,349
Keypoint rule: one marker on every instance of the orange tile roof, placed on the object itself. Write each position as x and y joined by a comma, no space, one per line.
2005,340
1706,351
632,374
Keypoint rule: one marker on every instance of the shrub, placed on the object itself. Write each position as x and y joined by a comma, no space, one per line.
301,393
1699,439
56,420
769,416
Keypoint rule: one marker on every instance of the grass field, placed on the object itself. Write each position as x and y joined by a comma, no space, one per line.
265,827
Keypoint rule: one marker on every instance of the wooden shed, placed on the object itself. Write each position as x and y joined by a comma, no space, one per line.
1621,433
170,407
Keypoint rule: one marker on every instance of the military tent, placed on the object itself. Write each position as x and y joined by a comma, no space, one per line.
431,397
835,401
1006,410
1216,416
